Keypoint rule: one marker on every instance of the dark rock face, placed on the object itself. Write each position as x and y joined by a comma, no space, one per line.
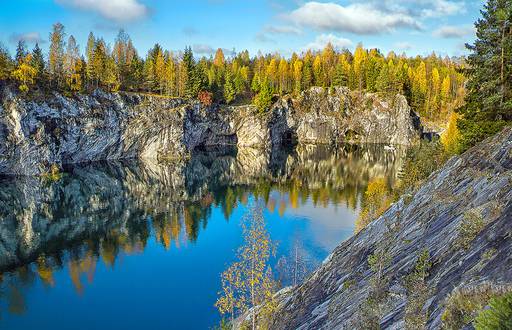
102,126
473,188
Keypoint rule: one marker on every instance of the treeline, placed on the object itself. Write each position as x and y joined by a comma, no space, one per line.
432,84
488,105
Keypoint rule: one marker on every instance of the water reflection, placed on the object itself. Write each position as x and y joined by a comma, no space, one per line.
99,214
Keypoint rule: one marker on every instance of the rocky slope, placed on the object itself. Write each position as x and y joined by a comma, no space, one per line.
101,126
459,221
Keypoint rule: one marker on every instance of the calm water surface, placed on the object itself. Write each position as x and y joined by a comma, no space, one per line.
136,245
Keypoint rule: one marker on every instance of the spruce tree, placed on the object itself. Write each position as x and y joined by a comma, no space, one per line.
21,52
38,63
229,88
189,65
488,106
6,64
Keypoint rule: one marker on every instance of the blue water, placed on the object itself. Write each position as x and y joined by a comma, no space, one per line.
120,246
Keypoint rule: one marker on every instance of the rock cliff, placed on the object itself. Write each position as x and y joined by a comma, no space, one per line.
63,130
457,227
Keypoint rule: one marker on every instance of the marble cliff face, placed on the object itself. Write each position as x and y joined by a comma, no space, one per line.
475,187
102,126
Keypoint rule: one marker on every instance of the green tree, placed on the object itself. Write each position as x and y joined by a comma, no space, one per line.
263,99
21,51
6,64
229,88
38,63
488,105
189,66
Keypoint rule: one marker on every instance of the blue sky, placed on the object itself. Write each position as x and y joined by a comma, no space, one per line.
411,26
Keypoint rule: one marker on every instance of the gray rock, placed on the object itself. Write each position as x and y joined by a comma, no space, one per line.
480,183
105,126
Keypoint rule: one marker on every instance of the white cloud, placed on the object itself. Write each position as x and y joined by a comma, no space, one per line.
31,37
403,45
116,10
322,40
283,29
356,18
419,8
455,32
203,49
438,8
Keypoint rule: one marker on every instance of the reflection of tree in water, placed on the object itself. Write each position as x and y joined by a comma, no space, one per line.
293,268
99,213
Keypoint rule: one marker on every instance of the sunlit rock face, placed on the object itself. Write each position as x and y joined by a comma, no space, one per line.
104,126
336,115
120,201
345,292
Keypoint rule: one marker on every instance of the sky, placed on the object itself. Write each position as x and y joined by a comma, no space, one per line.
416,27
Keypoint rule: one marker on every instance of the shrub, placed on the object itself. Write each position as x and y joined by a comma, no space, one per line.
463,305
417,292
422,160
206,98
471,225
498,316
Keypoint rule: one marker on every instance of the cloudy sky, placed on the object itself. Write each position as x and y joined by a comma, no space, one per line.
411,26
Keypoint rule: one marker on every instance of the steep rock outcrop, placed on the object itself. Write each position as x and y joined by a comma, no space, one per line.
470,191
102,126
337,115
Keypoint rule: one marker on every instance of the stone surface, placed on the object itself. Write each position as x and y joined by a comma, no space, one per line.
102,126
476,184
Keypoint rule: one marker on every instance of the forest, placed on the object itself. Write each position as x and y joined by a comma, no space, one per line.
433,85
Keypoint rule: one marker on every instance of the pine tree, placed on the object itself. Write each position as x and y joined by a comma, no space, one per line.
6,64
38,63
263,100
190,72
488,105
21,51
382,83
229,88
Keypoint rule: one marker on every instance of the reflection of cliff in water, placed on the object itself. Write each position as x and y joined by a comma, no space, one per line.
101,210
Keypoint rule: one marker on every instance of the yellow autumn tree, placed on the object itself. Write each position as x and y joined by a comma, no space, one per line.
377,199
25,73
450,137
248,282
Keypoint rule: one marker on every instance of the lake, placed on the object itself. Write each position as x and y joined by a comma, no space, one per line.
138,244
